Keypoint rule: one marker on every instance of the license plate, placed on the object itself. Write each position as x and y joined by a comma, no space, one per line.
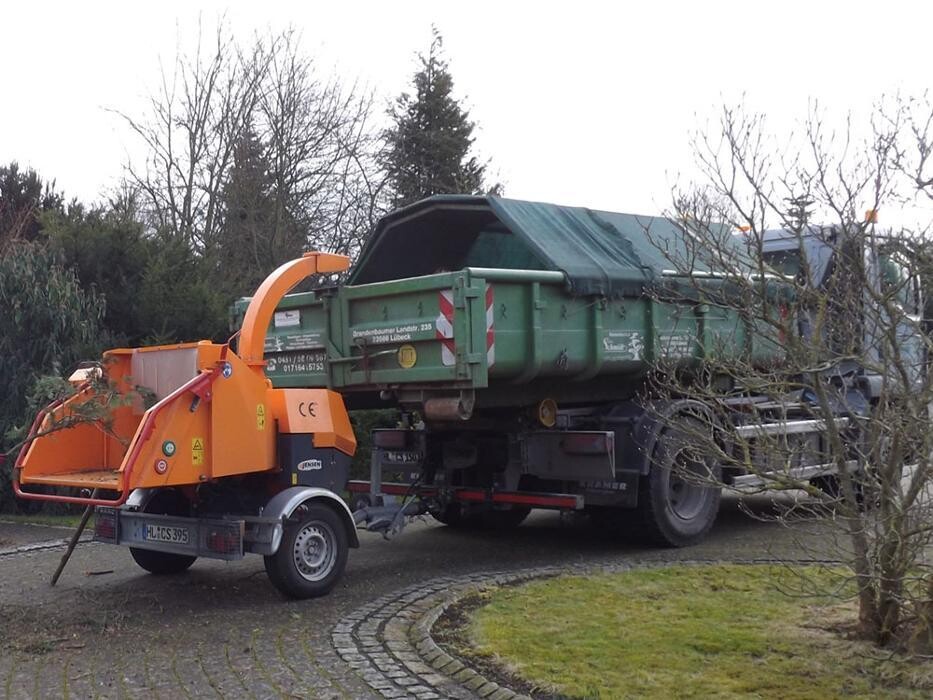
164,533
402,456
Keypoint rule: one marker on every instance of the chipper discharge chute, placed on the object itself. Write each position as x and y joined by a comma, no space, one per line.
187,450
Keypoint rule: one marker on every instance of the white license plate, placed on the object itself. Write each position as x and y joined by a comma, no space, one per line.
164,533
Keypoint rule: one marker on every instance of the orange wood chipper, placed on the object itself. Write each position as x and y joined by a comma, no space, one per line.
221,464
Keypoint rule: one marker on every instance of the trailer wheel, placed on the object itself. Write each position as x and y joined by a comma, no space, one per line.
677,505
312,555
165,502
161,563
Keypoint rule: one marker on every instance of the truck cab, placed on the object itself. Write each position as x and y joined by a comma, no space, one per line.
865,279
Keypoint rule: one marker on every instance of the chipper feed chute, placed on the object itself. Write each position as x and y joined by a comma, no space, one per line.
188,451
209,420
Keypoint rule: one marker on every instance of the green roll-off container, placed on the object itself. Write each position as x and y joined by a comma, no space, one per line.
513,299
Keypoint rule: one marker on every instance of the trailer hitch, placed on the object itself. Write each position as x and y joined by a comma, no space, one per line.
389,520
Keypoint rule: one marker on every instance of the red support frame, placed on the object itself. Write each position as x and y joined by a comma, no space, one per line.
563,501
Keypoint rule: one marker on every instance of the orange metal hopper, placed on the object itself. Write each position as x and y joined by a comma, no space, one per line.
204,421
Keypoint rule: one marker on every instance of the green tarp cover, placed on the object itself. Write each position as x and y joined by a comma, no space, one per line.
601,253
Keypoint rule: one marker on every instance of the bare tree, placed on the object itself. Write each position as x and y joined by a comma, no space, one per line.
195,118
322,150
315,135
830,396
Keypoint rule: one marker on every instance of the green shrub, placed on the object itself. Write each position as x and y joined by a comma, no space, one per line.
48,324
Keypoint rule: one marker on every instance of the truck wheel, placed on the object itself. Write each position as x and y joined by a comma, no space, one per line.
161,563
312,555
166,502
676,504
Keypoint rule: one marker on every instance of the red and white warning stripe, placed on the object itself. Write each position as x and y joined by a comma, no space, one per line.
444,325
490,329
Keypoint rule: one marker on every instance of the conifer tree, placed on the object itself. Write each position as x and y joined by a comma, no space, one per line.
258,231
428,146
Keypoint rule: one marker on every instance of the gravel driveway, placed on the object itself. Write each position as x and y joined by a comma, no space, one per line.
222,630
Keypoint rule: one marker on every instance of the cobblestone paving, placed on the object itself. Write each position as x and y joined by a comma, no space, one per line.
388,641
221,630
216,632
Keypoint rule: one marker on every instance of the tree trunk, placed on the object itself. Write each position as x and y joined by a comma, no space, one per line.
867,600
867,609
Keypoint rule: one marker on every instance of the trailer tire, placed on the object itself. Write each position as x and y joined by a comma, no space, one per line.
313,553
674,511
161,563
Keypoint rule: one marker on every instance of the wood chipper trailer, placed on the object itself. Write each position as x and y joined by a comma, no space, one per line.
222,464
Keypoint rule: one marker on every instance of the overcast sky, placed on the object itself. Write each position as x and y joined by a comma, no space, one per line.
578,103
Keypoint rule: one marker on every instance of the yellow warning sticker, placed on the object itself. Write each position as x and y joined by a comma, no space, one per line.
197,451
260,416
407,356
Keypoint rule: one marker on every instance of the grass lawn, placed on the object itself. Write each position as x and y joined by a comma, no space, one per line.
689,631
